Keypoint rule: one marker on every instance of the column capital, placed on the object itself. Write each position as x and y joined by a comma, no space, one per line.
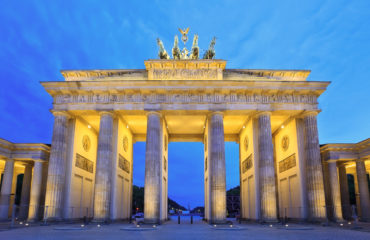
341,164
61,113
260,113
360,160
28,163
215,113
154,113
310,113
111,113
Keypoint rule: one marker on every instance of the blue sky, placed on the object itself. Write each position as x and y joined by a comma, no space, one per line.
39,38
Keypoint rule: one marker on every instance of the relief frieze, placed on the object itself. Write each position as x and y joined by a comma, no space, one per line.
187,97
287,163
184,74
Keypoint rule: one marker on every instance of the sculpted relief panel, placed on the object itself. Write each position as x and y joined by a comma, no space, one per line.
184,74
187,97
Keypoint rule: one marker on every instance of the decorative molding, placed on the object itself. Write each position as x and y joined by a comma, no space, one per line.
164,163
185,97
184,74
287,163
125,143
205,164
285,143
75,75
165,142
185,69
86,143
84,163
246,143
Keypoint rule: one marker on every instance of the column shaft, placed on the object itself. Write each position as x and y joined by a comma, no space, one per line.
315,182
56,171
266,169
335,191
344,192
6,189
25,195
217,173
103,167
153,158
35,192
363,190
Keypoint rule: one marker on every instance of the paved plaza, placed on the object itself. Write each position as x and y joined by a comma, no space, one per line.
198,230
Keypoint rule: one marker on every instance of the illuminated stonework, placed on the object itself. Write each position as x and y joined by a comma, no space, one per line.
99,114
86,143
182,97
272,114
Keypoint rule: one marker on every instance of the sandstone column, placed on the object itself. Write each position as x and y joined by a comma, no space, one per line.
363,190
266,168
217,173
25,195
335,191
56,171
103,168
344,192
35,192
153,158
6,189
315,181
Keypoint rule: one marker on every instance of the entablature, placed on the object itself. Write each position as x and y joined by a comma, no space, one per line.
233,94
24,151
185,70
346,151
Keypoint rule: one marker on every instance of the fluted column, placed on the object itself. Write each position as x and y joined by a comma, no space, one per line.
266,168
153,158
363,190
56,171
6,189
217,173
335,191
344,192
25,195
35,191
103,167
315,181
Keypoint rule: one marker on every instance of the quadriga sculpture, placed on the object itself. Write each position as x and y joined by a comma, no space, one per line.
162,51
176,54
195,49
210,53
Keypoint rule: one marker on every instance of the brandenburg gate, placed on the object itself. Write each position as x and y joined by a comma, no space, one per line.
99,114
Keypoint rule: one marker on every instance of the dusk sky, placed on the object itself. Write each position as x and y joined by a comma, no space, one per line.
39,38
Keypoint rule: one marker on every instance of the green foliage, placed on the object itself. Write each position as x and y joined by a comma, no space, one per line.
138,201
233,191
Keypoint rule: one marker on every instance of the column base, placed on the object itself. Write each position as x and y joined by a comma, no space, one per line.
33,220
272,220
101,220
317,220
219,222
53,219
152,221
364,219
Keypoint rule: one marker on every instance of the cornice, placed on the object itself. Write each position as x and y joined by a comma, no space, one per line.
187,65
360,149
200,86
